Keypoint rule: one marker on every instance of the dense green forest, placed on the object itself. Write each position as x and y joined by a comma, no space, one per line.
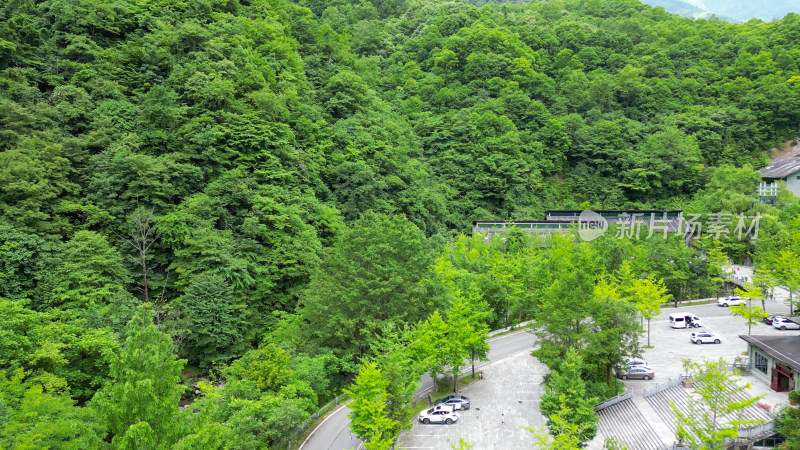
262,195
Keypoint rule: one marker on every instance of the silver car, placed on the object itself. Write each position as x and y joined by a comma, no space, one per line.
458,402
633,362
637,372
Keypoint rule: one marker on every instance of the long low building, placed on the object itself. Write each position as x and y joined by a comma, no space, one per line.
564,221
776,360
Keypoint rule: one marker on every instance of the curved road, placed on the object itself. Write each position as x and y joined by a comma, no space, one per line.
334,432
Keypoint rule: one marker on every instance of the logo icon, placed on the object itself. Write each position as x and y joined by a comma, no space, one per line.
591,225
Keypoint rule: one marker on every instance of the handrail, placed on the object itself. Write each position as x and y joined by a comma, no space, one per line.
613,401
664,386
756,431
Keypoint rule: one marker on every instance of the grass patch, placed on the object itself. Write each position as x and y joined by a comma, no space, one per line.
513,330
684,304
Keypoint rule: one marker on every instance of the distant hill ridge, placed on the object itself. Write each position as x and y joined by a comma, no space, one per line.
731,11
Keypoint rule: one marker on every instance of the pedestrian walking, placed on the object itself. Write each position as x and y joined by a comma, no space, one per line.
502,419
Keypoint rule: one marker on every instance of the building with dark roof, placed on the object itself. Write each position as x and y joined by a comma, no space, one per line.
570,220
785,167
776,360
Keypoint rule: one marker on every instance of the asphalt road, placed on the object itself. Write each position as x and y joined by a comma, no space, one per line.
334,432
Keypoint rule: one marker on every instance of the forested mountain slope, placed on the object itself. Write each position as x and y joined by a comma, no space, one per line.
214,158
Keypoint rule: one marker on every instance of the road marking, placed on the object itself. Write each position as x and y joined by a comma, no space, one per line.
329,415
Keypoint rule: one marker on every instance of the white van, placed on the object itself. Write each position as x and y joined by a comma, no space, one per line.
684,320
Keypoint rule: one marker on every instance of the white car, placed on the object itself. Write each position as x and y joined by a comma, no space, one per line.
730,301
439,414
634,362
702,337
782,323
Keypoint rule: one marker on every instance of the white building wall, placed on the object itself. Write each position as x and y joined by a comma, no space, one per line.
793,183
767,377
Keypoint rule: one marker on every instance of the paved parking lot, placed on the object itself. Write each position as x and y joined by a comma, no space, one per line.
513,387
671,346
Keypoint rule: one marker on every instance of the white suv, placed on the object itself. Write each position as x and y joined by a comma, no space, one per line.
438,414
730,301
785,324
702,337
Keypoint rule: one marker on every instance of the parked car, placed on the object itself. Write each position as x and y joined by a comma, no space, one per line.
633,362
458,402
769,319
702,337
730,301
684,320
638,372
438,414
785,324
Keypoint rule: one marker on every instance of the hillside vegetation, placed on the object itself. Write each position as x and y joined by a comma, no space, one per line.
203,180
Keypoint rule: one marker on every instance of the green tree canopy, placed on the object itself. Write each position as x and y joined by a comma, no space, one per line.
369,278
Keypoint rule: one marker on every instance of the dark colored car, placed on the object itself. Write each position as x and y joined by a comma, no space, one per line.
769,319
458,402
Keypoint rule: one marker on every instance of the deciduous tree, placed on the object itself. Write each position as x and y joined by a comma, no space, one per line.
139,404
714,414
649,295
368,417
752,315
565,398
368,279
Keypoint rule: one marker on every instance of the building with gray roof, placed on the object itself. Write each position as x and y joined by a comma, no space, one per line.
775,359
785,167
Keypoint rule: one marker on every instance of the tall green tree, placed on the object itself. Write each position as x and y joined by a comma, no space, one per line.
615,332
35,418
139,404
787,272
216,326
562,321
649,295
401,361
565,391
368,417
90,272
751,314
371,277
